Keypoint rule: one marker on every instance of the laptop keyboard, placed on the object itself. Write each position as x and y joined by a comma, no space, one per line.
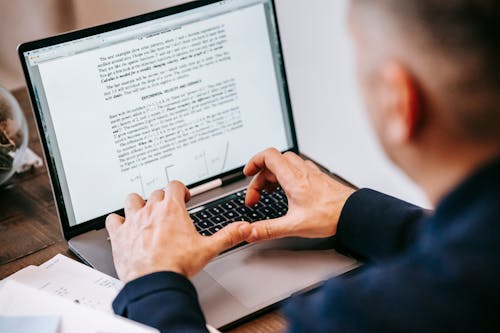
218,214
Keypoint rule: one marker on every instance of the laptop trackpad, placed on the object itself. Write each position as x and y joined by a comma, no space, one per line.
258,276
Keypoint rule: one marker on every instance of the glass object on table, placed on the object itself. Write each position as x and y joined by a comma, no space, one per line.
13,135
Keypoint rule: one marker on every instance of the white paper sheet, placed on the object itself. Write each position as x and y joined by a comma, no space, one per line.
72,280
30,324
17,299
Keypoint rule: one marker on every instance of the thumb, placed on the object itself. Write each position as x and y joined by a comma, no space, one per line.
270,229
229,237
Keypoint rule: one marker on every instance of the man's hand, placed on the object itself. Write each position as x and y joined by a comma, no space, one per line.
315,200
160,236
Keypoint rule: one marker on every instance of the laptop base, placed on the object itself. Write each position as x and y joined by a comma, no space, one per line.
246,280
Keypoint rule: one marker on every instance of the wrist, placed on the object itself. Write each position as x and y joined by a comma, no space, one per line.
137,274
338,205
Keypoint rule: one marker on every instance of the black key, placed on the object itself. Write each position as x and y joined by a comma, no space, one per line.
280,207
254,216
264,194
239,202
231,215
206,224
228,205
241,193
269,212
267,200
258,206
203,215
243,210
218,219
213,230
225,223
278,214
215,210
195,218
279,196
205,233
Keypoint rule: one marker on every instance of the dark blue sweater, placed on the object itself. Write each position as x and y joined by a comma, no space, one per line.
425,272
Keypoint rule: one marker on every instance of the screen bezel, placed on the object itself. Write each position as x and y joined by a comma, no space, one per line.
99,223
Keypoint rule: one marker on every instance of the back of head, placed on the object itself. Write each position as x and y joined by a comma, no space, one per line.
466,33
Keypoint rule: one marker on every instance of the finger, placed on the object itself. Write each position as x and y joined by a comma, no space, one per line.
156,196
270,229
176,192
272,160
113,223
133,203
229,237
263,180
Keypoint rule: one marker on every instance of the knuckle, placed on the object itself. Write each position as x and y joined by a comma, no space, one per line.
170,203
268,230
313,166
300,175
302,182
228,238
149,209
141,215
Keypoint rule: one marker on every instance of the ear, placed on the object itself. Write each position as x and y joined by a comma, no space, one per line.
400,101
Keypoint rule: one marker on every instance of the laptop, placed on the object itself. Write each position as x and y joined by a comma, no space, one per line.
189,93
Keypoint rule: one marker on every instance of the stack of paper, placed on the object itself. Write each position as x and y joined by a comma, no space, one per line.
72,280
64,293
19,300
78,296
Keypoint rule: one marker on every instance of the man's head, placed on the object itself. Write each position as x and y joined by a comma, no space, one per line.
430,73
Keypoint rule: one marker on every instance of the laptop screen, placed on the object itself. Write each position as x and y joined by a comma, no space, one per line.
186,96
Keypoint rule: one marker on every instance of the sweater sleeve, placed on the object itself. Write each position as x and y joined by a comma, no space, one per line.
375,226
398,295
166,301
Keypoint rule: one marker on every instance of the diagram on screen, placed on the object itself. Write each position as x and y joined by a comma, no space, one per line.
191,165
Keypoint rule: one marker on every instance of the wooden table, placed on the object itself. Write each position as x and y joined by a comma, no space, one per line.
29,227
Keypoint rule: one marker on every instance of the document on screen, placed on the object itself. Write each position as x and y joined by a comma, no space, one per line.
185,103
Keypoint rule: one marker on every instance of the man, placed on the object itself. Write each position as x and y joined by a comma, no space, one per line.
430,73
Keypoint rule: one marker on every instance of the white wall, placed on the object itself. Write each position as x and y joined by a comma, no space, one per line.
94,12
329,114
25,20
